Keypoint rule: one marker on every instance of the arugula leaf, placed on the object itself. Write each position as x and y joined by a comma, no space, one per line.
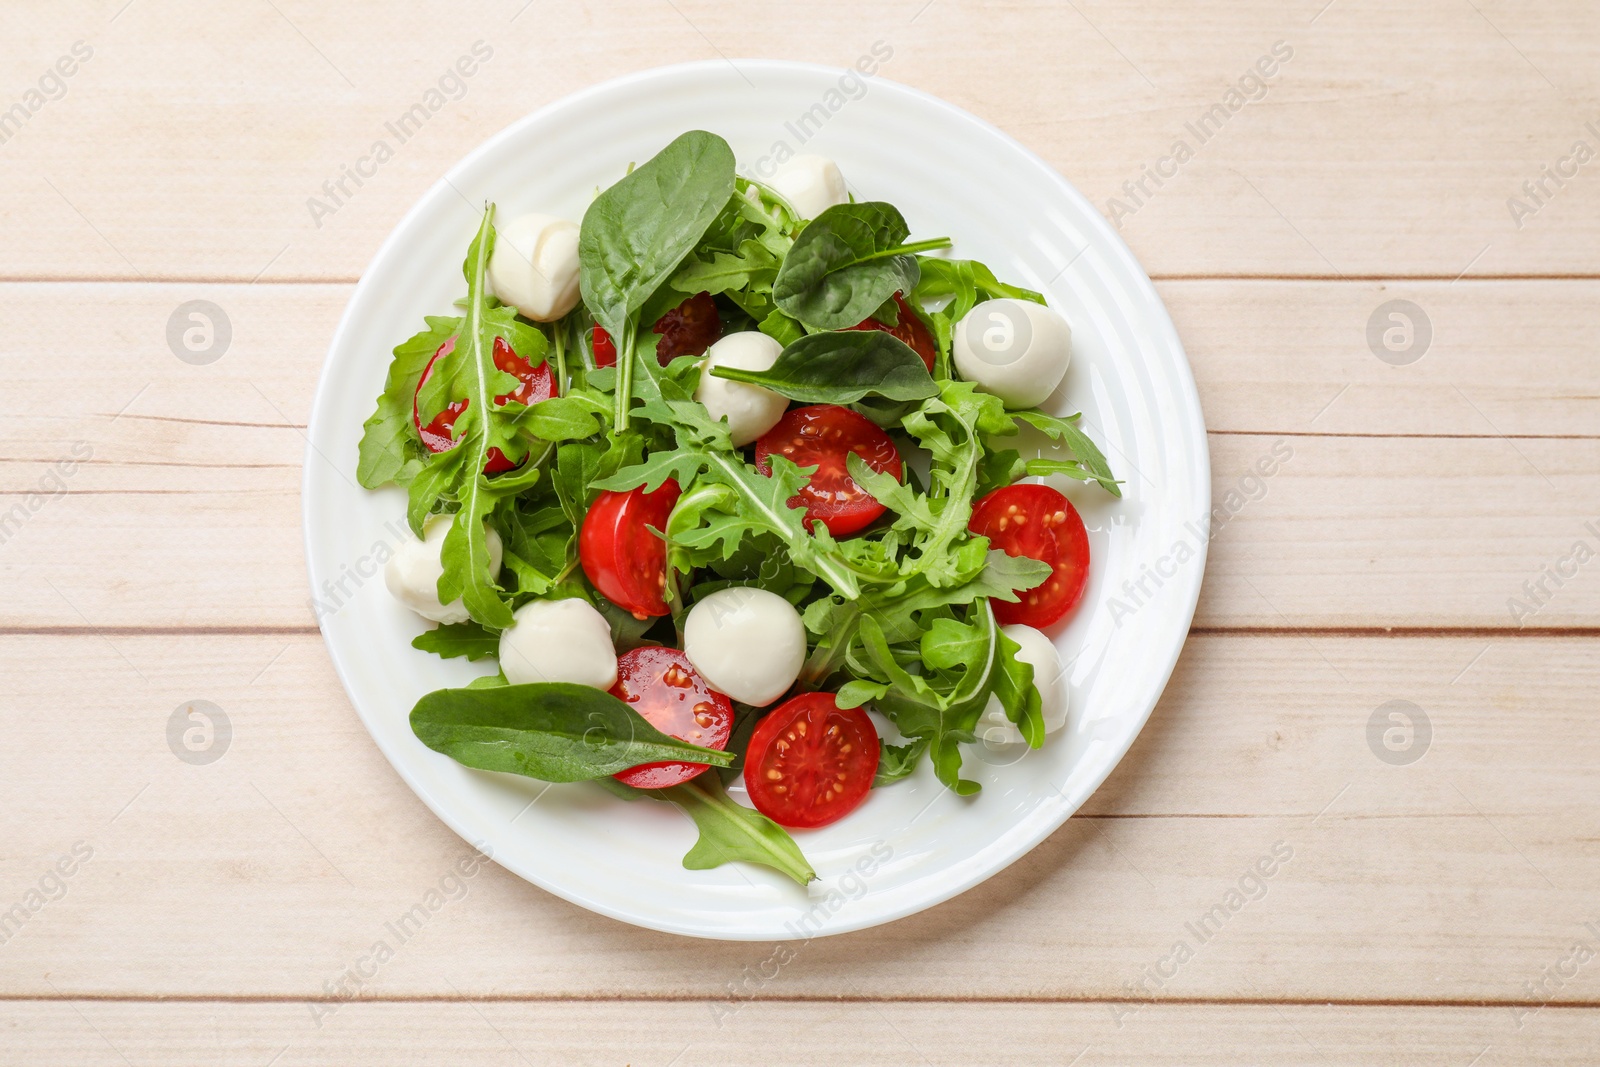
781,328
469,372
450,640
553,731
841,368
1066,431
846,262
634,235
753,267
730,831
1014,688
388,441
898,761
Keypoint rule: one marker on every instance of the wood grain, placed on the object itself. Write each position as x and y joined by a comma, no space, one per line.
1428,909
1385,515
273,870
47,1034
1390,143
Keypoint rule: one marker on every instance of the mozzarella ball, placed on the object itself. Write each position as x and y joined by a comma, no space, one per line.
534,266
746,642
558,641
750,410
412,573
1016,349
812,184
1038,651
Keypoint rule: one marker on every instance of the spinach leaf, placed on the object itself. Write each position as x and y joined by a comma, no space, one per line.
451,640
846,262
388,443
730,831
636,233
842,367
553,731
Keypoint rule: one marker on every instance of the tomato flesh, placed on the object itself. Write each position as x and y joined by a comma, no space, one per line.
537,384
605,349
1036,521
663,686
811,763
620,556
822,436
687,330
911,329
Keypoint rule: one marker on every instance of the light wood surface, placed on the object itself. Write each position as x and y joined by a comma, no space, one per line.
1429,909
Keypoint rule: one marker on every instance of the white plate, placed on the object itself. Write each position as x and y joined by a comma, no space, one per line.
951,174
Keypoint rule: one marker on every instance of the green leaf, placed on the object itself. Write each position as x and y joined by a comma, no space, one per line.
898,761
730,831
635,233
846,262
753,267
452,640
842,367
781,328
469,371
386,435
1066,431
563,418
552,731
1014,688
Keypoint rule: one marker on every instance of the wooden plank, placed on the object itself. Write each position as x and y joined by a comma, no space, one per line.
46,1034
199,474
272,871
1390,143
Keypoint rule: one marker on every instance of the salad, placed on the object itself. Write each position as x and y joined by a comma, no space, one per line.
714,472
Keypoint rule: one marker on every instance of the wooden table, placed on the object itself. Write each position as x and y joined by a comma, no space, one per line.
1433,910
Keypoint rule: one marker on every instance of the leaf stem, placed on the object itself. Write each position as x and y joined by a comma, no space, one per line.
624,394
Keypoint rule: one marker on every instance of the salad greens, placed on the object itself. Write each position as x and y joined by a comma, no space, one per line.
899,616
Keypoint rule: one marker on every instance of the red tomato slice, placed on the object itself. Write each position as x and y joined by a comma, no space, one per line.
687,330
822,436
620,556
662,685
809,762
911,329
605,349
537,384
1036,521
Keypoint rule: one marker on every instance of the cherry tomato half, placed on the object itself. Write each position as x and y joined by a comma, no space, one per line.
822,436
620,556
911,329
687,330
537,384
605,349
1036,521
662,685
809,762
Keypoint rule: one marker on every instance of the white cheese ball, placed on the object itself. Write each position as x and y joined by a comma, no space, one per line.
746,642
1038,651
412,573
750,410
1015,349
812,184
534,266
558,641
